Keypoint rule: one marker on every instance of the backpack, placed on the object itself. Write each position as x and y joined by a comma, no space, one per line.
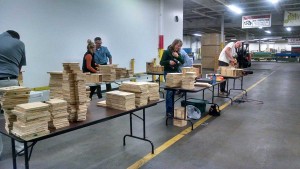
214,110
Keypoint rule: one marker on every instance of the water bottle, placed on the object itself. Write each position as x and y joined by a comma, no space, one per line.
214,79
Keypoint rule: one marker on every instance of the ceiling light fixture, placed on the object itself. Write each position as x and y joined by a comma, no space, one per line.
197,34
233,39
288,29
235,9
260,27
268,32
274,1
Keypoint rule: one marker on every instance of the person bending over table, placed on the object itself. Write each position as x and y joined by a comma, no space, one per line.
12,58
89,65
171,60
226,58
101,56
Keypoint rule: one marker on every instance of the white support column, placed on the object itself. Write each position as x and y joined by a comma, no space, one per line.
222,31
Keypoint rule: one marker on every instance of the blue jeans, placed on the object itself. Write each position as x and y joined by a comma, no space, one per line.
169,101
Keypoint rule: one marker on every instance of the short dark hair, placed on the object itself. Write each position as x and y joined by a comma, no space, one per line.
13,34
97,38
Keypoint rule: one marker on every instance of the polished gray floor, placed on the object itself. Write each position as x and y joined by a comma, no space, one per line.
246,135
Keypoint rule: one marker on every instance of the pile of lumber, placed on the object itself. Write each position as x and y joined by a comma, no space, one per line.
10,97
108,72
151,68
32,120
120,73
55,84
120,100
153,89
231,71
188,80
140,91
74,91
173,79
129,73
59,114
179,116
191,69
93,78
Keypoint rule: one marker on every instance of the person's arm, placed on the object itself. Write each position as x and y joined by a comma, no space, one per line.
88,59
110,60
165,61
228,53
109,56
23,59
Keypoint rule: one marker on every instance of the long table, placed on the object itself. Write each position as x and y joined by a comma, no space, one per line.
95,115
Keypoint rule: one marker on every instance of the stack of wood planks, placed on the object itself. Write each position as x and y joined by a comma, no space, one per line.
108,72
59,113
93,77
173,79
55,84
188,80
140,91
153,89
10,97
74,91
179,114
120,73
120,100
32,120
191,69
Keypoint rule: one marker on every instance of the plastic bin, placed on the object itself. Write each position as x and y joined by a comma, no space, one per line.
200,104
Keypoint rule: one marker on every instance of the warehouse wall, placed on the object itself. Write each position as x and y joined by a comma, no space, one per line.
263,47
56,31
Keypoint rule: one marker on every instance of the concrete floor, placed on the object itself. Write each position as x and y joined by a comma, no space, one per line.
246,135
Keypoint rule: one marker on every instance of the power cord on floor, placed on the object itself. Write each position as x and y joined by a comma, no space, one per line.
243,100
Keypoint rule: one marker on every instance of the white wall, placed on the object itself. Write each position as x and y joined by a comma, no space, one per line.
263,47
56,31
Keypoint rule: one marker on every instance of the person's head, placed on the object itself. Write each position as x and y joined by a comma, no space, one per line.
238,44
176,45
13,34
98,42
91,46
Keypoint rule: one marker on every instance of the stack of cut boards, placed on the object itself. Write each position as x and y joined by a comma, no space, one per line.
231,71
188,80
55,84
59,113
108,73
179,114
120,73
153,89
140,91
10,97
191,69
74,91
120,100
173,79
32,120
93,78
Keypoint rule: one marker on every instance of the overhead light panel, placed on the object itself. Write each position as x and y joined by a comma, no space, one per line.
235,9
260,27
197,34
268,32
233,39
274,1
289,29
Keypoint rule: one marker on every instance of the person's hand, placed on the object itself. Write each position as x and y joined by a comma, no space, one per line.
172,62
175,54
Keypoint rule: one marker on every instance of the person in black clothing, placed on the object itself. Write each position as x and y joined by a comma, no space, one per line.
171,60
89,65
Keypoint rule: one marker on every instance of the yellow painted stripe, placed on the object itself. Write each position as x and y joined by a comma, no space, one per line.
186,131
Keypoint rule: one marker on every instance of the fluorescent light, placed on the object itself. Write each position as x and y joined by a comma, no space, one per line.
260,27
288,29
235,9
197,34
233,39
268,31
274,1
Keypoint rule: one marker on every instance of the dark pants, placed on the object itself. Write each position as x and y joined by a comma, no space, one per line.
169,100
222,85
93,89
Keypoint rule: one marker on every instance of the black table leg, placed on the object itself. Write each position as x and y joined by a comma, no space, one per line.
26,155
14,156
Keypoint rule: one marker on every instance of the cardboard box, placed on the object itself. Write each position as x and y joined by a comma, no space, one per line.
208,63
212,51
211,39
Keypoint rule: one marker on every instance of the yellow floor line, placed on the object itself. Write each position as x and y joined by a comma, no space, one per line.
186,131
